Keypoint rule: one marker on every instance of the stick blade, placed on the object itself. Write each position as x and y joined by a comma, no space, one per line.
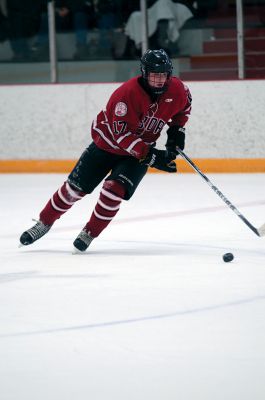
261,230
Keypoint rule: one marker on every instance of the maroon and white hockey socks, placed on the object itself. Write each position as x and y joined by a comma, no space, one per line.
111,195
60,202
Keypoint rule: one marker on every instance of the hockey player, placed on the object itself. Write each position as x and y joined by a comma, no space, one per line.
124,137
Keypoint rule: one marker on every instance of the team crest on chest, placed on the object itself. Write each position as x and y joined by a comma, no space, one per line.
121,109
152,109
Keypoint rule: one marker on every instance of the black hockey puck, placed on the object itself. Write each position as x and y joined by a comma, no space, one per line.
227,257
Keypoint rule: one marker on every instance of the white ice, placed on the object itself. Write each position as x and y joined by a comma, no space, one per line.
151,311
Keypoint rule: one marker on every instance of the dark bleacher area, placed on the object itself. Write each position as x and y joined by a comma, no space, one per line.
218,59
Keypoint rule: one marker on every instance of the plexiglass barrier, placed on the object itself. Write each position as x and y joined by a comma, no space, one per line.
100,41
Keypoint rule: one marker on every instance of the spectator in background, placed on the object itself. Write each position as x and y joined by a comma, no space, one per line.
173,14
107,14
3,21
23,20
83,16
76,14
40,49
126,8
122,46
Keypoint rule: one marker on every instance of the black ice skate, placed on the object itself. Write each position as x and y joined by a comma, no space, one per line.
36,232
82,241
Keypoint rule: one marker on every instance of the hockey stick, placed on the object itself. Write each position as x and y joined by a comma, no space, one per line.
258,232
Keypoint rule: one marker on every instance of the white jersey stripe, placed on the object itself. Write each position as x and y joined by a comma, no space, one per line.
129,149
123,137
106,122
103,136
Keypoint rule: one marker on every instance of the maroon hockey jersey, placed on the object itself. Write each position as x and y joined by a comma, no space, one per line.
131,122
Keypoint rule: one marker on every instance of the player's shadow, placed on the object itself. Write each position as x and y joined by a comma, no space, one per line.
139,248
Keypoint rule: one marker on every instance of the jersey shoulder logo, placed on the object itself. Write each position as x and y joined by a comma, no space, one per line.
168,100
121,109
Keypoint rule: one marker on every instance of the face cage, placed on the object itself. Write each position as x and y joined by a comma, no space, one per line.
158,79
156,89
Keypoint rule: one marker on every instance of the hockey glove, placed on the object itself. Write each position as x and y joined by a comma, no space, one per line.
160,159
175,137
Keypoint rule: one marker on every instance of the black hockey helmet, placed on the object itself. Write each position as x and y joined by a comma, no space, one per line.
159,62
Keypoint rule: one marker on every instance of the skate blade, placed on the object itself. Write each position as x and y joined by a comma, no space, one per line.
75,251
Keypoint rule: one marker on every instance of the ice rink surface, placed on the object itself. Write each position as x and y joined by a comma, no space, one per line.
151,311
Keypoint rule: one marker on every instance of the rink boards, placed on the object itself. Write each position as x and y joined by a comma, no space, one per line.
45,128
